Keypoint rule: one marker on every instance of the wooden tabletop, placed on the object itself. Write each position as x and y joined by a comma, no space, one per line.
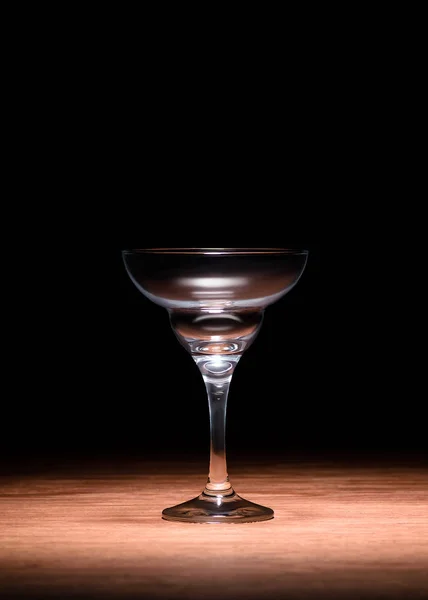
95,531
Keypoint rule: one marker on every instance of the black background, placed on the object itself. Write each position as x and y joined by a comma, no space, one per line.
97,371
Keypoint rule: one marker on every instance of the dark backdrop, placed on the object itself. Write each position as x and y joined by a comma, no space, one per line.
100,373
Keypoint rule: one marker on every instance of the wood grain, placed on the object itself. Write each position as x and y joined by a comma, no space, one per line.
338,532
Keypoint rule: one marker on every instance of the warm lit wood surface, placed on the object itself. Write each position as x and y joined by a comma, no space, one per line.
339,532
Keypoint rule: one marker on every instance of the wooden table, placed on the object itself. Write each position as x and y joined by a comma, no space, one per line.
340,531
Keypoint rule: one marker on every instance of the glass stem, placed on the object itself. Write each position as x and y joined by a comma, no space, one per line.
217,373
218,479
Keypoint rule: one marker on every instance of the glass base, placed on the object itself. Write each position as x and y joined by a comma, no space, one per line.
218,509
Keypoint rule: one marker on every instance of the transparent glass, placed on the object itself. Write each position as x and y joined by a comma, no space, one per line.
216,299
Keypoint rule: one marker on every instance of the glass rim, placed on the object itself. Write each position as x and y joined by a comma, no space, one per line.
216,251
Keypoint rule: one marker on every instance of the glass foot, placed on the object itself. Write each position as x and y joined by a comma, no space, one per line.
218,509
